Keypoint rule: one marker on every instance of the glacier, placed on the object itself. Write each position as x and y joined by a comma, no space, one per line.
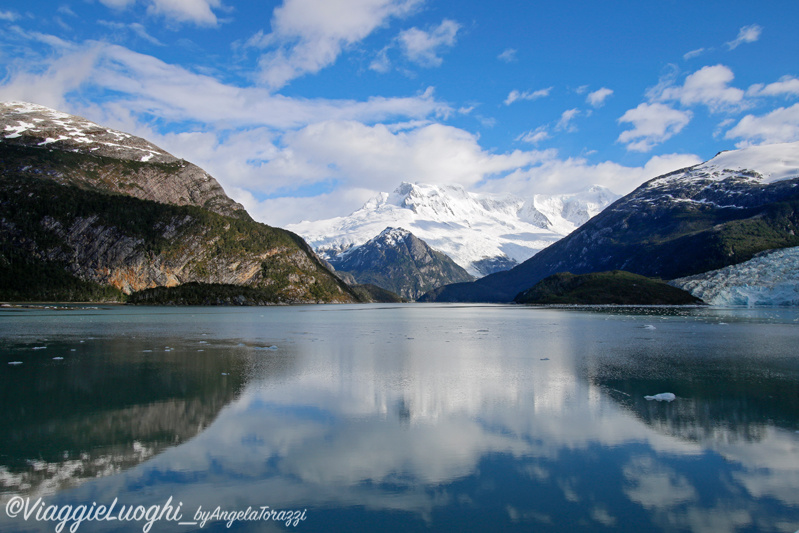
481,232
769,279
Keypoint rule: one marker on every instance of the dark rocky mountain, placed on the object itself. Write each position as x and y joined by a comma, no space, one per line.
697,219
398,261
88,213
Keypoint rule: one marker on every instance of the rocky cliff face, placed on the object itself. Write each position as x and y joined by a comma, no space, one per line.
398,261
110,210
39,141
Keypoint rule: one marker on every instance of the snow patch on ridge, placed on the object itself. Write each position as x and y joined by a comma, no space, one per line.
762,164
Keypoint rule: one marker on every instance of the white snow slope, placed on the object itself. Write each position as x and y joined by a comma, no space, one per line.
468,227
20,119
770,279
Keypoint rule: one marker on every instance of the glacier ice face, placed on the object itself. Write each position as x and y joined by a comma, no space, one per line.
480,232
768,279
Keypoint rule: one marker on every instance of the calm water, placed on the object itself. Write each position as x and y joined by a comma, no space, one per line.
401,418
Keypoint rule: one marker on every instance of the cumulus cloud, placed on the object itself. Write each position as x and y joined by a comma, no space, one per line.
598,97
652,125
780,125
786,86
747,34
708,86
309,35
422,47
516,95
377,157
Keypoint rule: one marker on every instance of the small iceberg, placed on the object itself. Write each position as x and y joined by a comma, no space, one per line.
662,397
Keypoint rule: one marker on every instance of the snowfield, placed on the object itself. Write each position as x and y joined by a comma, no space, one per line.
481,232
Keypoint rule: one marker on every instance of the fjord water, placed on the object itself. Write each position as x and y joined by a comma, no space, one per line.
406,417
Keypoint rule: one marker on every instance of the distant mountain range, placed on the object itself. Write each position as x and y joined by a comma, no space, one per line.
483,233
90,213
709,216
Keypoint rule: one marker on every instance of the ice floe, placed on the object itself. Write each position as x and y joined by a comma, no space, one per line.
662,397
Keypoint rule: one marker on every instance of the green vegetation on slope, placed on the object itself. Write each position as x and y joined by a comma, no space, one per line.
604,288
39,256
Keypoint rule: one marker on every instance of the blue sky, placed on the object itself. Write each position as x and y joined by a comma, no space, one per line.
304,109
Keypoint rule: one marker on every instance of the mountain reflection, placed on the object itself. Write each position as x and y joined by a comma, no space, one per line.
493,419
104,406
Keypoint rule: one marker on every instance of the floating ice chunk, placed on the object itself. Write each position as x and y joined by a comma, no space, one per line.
15,362
662,397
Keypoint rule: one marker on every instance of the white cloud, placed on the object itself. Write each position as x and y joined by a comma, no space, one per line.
135,27
148,85
309,35
515,95
534,136
553,175
652,125
565,121
381,63
780,125
9,16
693,53
198,12
508,55
422,47
598,97
787,85
747,34
117,4
708,86
377,157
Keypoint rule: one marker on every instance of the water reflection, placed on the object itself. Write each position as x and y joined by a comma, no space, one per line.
474,419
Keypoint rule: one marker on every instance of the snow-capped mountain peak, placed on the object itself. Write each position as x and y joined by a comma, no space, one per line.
44,126
481,232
